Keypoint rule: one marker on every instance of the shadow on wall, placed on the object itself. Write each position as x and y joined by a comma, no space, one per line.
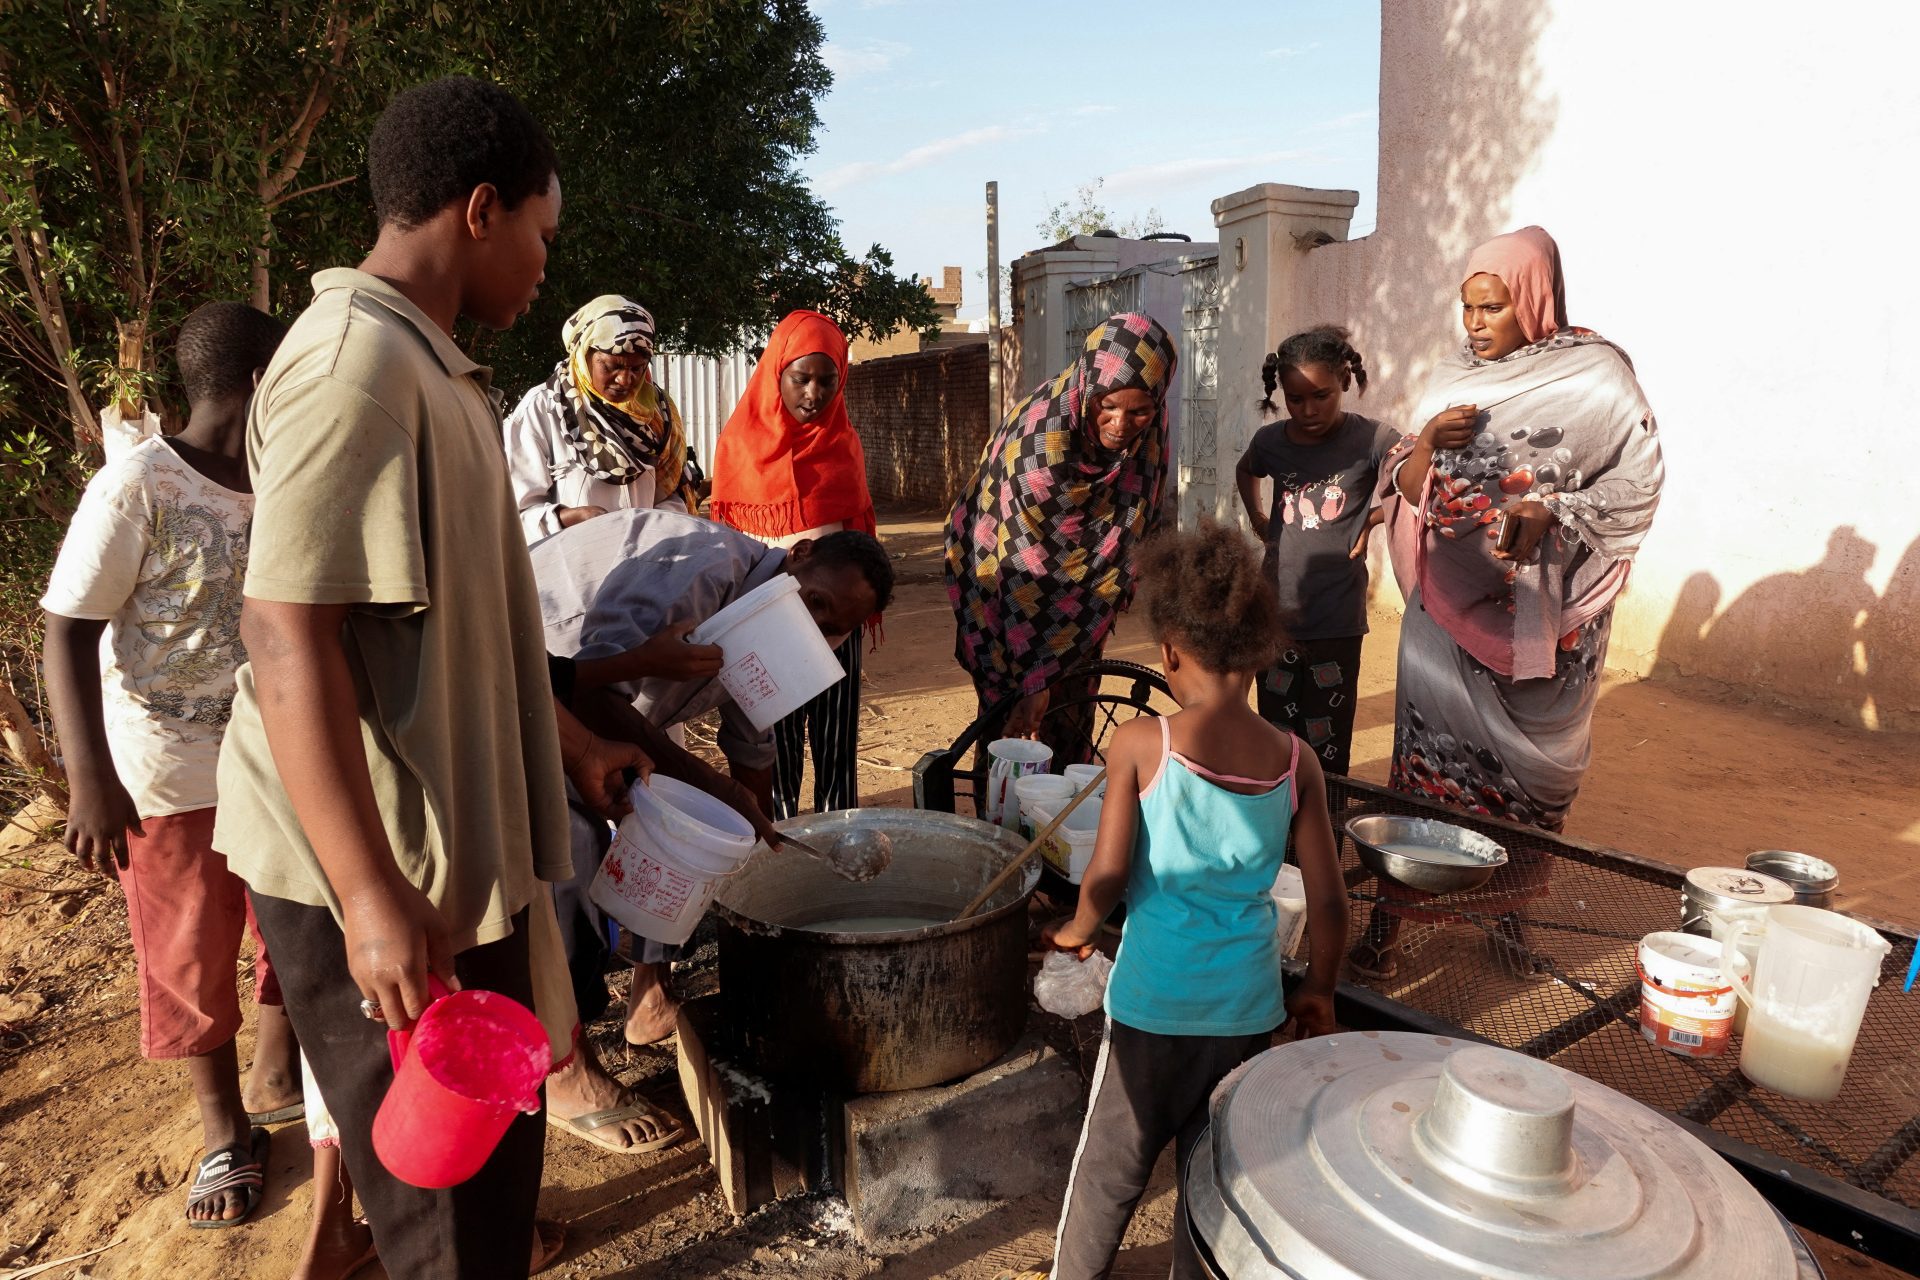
1819,636
1464,114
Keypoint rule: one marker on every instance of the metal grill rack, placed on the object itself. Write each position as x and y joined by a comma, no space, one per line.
1568,992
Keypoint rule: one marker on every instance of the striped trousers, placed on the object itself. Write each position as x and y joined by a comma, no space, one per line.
832,721
1148,1090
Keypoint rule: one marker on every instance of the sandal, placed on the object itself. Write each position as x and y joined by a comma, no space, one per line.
587,1127
280,1115
551,1239
1508,945
1374,963
229,1168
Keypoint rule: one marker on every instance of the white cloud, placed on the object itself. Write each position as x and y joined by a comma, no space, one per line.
868,57
919,157
1289,51
1152,178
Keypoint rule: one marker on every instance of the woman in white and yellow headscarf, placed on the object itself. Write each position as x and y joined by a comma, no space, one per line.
599,435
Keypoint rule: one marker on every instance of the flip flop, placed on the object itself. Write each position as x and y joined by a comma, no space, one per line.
552,1238
281,1115
1375,964
587,1127
225,1170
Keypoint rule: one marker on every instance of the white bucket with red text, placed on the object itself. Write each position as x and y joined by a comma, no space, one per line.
1685,1005
776,660
667,857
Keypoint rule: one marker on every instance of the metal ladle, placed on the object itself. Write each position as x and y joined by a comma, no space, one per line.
859,854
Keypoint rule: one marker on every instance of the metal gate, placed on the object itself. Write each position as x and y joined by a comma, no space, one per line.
1089,305
1197,479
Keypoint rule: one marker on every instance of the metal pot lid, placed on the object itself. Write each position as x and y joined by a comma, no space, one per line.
1715,887
1800,869
1388,1154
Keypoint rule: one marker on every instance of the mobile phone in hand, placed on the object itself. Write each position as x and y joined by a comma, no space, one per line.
1509,532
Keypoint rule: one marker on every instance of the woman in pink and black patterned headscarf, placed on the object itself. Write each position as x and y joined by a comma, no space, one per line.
1039,547
1525,498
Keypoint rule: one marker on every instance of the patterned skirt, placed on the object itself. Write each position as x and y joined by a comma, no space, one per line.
1470,739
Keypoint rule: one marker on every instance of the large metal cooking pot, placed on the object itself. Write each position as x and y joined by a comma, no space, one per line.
1386,1155
874,1012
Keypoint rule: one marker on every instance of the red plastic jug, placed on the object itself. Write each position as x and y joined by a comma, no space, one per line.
472,1062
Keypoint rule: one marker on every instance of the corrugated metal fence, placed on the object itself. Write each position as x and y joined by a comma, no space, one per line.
706,388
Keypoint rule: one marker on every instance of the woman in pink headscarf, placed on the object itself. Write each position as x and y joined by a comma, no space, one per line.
1524,500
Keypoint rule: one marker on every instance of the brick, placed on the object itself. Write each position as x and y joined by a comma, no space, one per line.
923,420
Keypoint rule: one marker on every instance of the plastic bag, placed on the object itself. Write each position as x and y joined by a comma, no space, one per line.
1069,987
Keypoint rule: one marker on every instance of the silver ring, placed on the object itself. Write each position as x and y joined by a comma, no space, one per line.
370,1010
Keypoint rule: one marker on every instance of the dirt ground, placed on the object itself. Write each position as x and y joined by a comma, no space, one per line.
96,1146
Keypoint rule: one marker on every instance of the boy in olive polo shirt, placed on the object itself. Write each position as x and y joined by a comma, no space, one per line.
392,784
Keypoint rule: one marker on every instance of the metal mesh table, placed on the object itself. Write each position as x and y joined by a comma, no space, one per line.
1542,960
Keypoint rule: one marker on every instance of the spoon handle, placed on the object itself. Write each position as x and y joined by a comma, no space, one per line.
1006,872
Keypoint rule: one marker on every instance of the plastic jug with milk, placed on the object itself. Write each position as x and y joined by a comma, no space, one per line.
1812,976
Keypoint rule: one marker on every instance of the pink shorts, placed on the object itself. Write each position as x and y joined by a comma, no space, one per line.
187,913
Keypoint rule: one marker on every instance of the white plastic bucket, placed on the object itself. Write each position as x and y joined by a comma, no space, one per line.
666,858
776,659
1040,788
1011,758
1290,896
1070,848
1081,774
1685,1005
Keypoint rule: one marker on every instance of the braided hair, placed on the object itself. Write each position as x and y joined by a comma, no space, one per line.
1327,344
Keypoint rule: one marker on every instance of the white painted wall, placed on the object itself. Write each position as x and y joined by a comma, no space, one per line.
1733,193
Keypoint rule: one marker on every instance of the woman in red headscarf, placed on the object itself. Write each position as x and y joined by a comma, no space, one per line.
1524,499
789,466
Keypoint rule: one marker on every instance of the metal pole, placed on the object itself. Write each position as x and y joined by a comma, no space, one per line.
993,305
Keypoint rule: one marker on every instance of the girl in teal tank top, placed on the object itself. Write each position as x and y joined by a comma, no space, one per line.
1198,810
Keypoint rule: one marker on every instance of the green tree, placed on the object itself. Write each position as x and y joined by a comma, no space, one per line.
157,154
1083,215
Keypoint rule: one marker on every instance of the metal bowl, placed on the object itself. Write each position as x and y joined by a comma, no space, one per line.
1391,846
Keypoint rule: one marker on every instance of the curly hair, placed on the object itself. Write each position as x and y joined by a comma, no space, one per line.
1208,595
862,551
1327,344
219,347
437,141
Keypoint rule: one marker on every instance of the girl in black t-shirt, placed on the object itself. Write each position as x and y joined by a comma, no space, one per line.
1325,466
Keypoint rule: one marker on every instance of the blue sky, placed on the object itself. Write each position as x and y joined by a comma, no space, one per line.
1172,105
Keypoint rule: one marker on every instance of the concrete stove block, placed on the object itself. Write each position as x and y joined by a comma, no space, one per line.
925,1158
731,1108
766,1140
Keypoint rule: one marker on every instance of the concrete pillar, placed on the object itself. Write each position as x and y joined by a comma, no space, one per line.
1265,233
1043,279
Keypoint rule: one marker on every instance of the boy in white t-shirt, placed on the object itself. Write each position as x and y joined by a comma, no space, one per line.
154,560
